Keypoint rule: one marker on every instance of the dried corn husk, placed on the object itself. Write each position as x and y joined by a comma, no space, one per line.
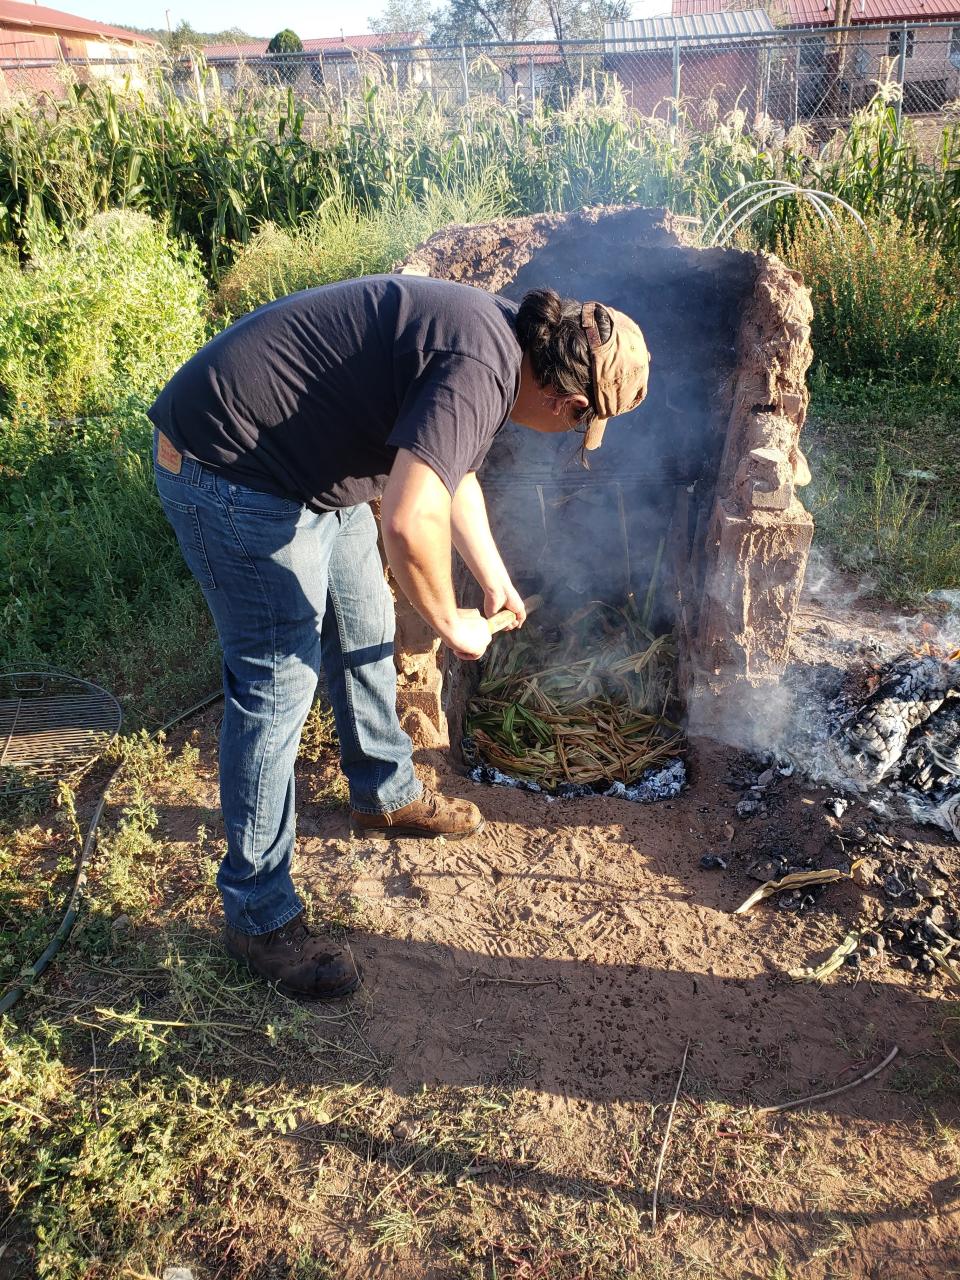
832,962
795,880
589,707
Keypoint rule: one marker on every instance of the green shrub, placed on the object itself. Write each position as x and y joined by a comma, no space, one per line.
891,308
106,315
285,41
94,582
339,242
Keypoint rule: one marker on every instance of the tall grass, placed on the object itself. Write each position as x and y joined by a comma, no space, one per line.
339,242
899,533
94,582
220,167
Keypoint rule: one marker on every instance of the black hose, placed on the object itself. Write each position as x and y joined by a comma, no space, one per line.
13,993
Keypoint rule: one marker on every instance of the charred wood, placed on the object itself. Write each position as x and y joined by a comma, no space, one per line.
908,694
932,760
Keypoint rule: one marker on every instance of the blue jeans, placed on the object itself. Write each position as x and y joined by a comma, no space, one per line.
290,591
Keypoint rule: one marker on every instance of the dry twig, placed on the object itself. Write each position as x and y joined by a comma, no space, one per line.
666,1135
830,1093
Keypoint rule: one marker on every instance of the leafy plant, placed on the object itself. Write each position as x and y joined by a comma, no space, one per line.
106,315
885,300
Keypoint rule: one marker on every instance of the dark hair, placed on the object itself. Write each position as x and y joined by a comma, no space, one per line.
548,327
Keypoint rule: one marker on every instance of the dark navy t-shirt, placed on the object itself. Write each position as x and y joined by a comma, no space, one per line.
311,396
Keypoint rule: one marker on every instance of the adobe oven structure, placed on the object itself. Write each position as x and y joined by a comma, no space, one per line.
692,502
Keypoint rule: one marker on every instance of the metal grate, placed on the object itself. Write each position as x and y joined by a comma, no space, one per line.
52,727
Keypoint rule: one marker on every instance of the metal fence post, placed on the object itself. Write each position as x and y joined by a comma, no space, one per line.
675,110
901,75
533,84
466,77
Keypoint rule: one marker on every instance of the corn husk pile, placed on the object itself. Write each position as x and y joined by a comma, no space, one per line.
587,706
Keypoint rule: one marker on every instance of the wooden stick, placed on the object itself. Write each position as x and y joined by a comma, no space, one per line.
500,621
666,1136
830,1093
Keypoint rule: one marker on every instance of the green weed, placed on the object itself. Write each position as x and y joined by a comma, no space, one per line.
105,316
885,301
97,585
139,1173
886,485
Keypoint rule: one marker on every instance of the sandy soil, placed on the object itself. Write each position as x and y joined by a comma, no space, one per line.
571,950
554,968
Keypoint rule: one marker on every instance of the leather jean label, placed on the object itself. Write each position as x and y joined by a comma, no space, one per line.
168,456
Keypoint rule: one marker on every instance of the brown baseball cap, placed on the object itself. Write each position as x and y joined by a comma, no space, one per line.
619,368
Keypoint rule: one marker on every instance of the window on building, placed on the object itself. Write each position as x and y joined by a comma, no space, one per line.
894,40
955,46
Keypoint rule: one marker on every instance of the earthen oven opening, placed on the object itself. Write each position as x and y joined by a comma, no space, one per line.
705,470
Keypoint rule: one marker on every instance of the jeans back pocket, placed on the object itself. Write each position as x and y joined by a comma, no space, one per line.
256,503
185,520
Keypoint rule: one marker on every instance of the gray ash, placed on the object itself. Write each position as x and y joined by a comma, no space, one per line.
909,692
932,762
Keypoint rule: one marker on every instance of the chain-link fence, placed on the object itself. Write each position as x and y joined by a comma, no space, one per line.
819,75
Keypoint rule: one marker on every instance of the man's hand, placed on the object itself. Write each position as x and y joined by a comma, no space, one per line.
504,595
469,636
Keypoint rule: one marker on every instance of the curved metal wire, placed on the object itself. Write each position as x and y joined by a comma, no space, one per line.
755,196
52,726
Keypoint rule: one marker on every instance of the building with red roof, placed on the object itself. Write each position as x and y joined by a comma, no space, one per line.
35,41
35,33
831,75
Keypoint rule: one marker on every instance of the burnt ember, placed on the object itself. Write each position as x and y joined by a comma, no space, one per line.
909,693
932,762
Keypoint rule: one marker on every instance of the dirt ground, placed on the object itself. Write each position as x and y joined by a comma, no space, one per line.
501,1083
576,946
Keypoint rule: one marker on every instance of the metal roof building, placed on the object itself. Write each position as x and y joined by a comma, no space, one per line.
34,31
690,28
803,13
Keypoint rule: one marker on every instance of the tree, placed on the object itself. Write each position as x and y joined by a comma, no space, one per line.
473,21
584,19
403,15
184,39
285,41
283,44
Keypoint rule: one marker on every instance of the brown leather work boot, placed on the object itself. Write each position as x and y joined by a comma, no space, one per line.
300,963
431,816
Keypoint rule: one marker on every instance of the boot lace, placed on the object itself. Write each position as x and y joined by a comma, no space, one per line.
431,799
295,935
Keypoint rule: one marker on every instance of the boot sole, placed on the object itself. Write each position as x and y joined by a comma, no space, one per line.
327,995
413,833
340,994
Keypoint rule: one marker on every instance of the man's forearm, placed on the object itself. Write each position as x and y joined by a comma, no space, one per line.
472,537
420,562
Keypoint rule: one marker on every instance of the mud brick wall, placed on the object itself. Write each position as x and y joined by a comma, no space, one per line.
713,454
